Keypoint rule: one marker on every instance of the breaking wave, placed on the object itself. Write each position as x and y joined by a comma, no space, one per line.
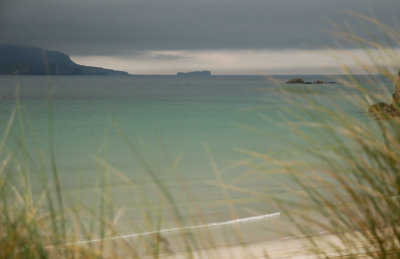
177,229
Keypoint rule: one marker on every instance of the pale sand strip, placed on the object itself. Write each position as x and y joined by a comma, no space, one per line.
284,248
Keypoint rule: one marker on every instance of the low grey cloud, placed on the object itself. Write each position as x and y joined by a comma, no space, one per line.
169,57
154,55
100,27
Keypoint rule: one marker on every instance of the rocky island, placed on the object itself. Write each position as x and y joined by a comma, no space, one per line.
27,60
195,73
301,81
296,81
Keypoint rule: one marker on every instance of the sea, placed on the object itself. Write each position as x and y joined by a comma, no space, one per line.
169,153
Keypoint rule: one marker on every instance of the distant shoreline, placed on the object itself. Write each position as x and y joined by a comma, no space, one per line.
281,77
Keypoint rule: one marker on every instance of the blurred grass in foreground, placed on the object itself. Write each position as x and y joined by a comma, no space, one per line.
351,189
46,221
348,192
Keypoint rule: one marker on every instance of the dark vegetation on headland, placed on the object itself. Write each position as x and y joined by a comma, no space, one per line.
301,81
27,60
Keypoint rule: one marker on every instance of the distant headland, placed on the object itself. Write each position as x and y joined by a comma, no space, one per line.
195,73
27,60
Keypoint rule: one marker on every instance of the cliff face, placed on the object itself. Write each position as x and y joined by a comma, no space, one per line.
22,60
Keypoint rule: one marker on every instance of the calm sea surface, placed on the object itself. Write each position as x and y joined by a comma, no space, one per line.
186,133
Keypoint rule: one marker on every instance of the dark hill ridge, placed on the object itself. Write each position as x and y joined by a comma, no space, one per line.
24,60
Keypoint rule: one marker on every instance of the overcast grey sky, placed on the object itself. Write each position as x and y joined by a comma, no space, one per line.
171,31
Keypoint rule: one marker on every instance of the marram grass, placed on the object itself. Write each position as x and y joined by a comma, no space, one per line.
351,191
50,224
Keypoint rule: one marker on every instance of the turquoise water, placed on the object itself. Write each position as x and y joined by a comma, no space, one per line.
188,130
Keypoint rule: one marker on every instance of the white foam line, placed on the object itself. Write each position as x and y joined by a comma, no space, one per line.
216,224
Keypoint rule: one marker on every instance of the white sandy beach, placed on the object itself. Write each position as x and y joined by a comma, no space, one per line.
283,248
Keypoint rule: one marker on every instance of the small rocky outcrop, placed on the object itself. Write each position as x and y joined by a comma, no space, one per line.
301,81
382,111
295,81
